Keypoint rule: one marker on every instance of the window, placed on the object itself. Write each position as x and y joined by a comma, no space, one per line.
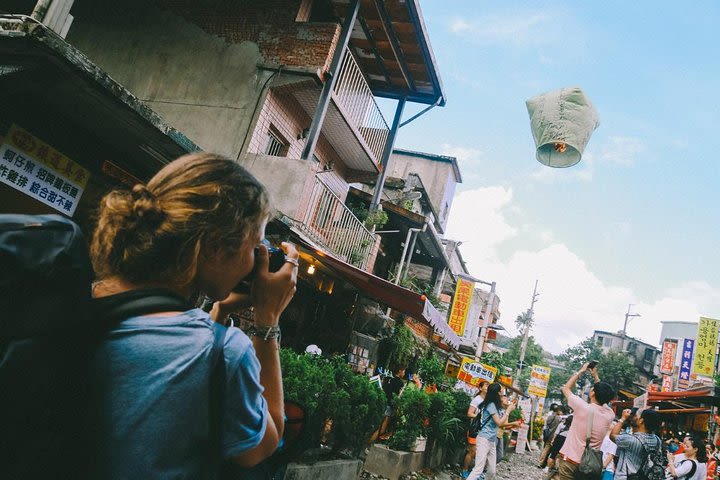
649,354
599,340
275,146
607,342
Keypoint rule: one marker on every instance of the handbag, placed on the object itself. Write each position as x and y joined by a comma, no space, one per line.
591,465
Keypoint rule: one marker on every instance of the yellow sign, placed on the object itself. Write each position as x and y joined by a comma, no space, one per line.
473,372
539,378
47,155
707,339
461,305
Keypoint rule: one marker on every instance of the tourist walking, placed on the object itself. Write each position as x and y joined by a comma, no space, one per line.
693,466
491,419
552,421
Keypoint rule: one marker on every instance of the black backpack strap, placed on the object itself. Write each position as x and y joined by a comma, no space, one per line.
118,307
216,397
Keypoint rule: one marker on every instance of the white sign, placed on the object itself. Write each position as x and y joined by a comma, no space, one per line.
39,181
522,438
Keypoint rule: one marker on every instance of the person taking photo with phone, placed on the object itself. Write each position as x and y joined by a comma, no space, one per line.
492,418
593,412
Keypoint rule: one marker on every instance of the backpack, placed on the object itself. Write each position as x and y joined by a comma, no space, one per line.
476,424
48,329
653,468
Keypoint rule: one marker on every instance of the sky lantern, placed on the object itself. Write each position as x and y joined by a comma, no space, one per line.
561,122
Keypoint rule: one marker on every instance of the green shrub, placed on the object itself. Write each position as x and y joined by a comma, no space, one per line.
431,370
446,429
515,415
329,389
361,412
411,409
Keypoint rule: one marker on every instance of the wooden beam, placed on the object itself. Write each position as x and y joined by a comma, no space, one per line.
373,48
388,28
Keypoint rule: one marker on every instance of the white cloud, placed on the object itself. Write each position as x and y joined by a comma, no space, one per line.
468,158
616,150
573,300
517,29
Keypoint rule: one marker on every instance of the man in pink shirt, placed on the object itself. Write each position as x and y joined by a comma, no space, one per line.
600,394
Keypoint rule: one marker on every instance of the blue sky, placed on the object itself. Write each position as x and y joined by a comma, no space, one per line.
637,220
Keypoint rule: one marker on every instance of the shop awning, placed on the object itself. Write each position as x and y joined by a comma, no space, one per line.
693,398
399,298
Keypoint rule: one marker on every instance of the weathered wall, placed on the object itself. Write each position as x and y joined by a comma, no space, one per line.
289,181
202,85
437,177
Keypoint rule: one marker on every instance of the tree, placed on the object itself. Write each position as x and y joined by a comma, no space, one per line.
495,359
534,355
616,369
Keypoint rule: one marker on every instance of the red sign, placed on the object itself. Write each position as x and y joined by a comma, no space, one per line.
668,356
667,383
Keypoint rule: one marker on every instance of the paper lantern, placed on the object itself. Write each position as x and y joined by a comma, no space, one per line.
561,122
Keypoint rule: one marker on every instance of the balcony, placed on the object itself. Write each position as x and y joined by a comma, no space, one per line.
331,224
354,124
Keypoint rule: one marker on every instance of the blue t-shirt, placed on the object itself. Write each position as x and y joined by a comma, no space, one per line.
150,404
490,428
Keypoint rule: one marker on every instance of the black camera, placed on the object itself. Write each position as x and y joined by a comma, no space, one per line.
276,261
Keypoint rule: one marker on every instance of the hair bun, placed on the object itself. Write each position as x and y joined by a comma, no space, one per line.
145,206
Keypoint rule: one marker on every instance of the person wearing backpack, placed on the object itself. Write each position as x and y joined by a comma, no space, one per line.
591,422
693,467
196,227
492,418
472,412
639,453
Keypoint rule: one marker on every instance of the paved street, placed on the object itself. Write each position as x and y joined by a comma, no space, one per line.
517,467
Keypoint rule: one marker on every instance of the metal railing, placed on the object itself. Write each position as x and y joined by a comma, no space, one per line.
359,105
330,222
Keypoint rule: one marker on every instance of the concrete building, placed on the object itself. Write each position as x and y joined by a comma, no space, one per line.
643,356
286,87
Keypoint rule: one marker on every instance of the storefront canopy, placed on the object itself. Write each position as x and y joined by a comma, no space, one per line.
693,398
399,298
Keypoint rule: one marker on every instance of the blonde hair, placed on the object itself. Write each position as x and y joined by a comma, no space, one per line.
195,206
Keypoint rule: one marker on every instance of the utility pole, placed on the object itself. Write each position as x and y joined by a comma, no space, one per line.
526,334
627,318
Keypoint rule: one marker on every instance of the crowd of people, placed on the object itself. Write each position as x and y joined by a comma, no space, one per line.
631,446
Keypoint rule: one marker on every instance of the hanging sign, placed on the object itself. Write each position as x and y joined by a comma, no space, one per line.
686,361
36,169
667,361
666,383
473,372
539,378
705,346
461,305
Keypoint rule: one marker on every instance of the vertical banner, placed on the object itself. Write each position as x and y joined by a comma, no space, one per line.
539,378
666,383
461,305
667,361
705,346
686,361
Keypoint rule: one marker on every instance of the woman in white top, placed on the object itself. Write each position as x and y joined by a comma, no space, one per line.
694,466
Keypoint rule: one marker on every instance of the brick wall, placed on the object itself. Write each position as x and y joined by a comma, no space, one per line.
271,24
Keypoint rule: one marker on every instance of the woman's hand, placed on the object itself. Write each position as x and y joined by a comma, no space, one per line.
271,292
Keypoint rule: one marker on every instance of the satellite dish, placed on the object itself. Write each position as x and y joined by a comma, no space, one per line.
561,122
